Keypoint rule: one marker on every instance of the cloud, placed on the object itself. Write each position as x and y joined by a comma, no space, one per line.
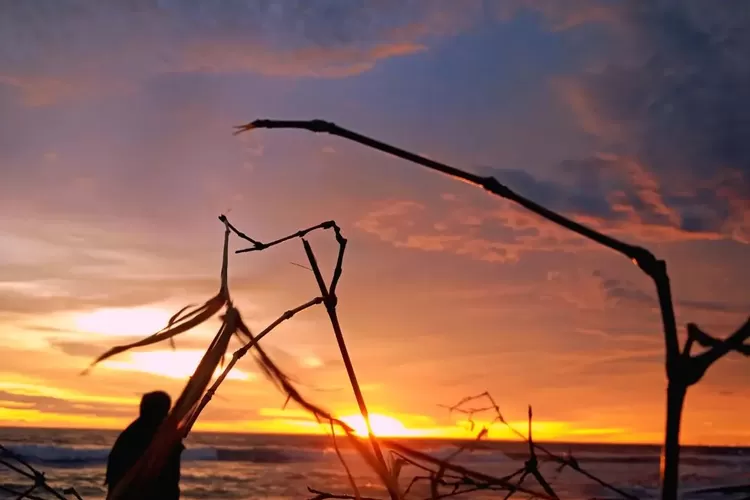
62,50
560,16
51,287
451,224
40,389
49,267
612,194
624,292
621,196
57,405
622,361
676,101
87,349
669,108
65,49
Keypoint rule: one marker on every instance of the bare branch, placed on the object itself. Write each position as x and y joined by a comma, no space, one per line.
330,301
258,245
239,353
656,269
734,342
18,464
564,461
322,495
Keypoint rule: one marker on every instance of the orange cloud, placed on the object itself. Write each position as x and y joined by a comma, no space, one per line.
227,38
450,225
614,194
589,118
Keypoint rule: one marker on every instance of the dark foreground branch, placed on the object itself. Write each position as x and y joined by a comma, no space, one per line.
643,258
19,465
531,466
322,495
682,370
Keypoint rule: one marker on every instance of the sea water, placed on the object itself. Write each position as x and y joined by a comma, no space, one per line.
240,466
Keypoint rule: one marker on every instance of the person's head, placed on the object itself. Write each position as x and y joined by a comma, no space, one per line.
155,406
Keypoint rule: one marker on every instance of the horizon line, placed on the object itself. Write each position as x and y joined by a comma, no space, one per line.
410,438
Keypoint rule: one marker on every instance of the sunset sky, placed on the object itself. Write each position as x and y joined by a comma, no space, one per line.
117,156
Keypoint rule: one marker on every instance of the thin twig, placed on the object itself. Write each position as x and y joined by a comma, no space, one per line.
258,245
322,495
330,301
569,461
239,353
349,476
372,456
8,456
682,370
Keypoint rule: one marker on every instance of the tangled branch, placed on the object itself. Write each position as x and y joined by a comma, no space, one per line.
20,466
683,369
531,466
444,477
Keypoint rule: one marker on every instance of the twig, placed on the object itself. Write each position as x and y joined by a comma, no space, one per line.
197,392
242,351
301,266
734,342
8,456
349,476
569,461
322,495
183,320
682,371
10,490
258,245
463,471
329,301
373,456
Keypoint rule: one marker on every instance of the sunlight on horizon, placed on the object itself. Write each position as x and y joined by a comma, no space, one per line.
382,426
167,363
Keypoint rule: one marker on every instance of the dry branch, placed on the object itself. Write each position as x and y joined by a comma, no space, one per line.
373,456
682,369
197,393
564,461
18,464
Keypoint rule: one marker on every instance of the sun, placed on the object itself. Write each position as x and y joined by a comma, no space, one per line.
382,425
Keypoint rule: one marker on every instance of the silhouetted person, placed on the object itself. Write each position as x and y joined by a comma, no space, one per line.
132,443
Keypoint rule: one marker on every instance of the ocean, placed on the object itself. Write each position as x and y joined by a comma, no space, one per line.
241,466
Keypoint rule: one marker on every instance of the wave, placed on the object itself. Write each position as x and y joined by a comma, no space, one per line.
72,456
81,456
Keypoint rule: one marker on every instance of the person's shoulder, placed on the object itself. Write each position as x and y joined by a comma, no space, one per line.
127,431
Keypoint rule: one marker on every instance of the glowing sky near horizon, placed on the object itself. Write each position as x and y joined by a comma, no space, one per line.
117,155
